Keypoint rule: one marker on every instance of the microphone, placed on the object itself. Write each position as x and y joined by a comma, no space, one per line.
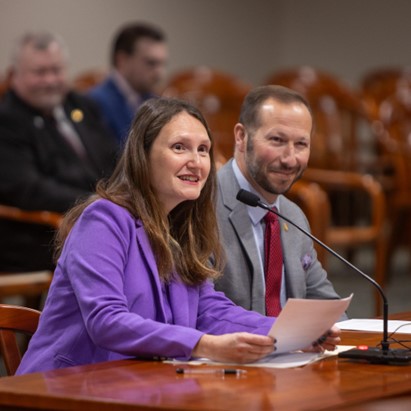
375,355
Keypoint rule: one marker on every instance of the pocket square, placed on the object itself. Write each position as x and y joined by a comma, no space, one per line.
306,261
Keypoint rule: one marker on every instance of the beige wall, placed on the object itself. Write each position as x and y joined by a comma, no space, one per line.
249,38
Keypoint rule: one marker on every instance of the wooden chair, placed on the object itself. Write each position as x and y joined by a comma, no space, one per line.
218,95
313,200
395,143
372,232
380,83
343,137
86,80
15,319
387,93
343,154
4,83
30,285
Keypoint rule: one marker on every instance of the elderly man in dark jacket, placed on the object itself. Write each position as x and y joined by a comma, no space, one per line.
53,148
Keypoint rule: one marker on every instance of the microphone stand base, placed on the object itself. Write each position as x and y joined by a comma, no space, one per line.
376,355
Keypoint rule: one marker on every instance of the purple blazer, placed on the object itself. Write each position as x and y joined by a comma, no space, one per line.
106,300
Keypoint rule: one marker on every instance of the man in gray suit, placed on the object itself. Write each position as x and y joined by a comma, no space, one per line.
272,148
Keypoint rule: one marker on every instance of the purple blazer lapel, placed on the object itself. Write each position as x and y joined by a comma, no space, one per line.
183,299
147,253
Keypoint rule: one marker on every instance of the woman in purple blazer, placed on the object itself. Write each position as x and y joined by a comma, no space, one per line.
133,273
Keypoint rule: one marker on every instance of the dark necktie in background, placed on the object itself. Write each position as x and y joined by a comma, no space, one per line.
69,133
273,265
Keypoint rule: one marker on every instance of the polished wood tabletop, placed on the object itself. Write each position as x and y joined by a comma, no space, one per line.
333,383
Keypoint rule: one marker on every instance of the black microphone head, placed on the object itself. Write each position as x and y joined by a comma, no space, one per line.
248,198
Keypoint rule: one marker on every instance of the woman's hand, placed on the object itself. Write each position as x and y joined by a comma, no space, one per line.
239,347
328,341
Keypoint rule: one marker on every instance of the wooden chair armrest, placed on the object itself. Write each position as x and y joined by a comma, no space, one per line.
28,284
351,181
313,200
15,320
40,217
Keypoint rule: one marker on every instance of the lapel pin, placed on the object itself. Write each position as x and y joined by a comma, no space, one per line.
77,115
285,227
38,122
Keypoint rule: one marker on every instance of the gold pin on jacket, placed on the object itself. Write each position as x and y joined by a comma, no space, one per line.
77,115
285,227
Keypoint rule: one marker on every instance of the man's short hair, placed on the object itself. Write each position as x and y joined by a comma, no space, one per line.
250,109
128,35
38,40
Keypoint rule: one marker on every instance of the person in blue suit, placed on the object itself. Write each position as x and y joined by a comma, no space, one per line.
139,59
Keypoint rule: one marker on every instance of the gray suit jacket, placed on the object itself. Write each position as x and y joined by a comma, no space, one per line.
242,280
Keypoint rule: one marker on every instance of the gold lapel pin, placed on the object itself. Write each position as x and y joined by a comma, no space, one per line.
285,227
77,115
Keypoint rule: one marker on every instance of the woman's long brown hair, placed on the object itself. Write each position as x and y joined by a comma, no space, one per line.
184,240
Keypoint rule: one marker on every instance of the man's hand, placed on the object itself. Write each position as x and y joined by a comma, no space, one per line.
328,341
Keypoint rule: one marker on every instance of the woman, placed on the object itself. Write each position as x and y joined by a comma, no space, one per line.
133,269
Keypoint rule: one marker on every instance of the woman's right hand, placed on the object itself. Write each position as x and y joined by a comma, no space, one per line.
239,347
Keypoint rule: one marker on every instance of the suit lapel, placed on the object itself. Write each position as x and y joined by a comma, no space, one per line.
241,223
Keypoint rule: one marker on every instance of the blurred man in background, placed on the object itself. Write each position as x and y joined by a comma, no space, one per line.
139,58
53,148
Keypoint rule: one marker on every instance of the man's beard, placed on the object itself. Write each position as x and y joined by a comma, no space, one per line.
257,173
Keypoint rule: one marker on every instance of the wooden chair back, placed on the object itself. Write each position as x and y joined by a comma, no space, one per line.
395,141
218,95
4,83
352,235
379,84
86,80
13,320
43,217
387,93
343,137
395,131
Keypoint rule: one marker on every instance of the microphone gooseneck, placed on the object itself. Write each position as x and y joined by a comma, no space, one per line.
383,356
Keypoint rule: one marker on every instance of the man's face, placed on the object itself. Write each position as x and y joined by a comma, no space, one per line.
275,155
146,67
40,78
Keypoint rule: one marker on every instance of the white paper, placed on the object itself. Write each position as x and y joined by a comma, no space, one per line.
296,358
286,360
303,321
402,327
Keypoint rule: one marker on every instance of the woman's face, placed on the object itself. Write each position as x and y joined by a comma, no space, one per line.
179,161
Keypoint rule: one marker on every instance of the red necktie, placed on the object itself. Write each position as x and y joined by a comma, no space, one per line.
273,265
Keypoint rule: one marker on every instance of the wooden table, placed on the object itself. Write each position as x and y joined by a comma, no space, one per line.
333,383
